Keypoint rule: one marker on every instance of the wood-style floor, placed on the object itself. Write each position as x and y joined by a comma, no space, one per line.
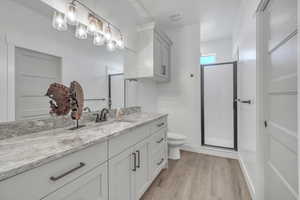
199,177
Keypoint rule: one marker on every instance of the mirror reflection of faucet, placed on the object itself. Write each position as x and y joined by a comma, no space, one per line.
119,114
87,109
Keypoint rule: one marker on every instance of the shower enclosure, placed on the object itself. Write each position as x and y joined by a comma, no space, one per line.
219,105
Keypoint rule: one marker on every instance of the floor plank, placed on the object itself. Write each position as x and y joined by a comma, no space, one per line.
199,177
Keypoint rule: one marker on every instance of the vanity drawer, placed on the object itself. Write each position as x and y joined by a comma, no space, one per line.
91,186
158,124
158,161
36,183
122,142
158,139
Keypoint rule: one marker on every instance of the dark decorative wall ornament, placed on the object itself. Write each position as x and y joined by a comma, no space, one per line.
60,99
64,99
76,100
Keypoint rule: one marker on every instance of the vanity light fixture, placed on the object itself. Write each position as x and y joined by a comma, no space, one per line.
107,33
72,14
81,31
94,26
59,21
120,42
111,45
99,39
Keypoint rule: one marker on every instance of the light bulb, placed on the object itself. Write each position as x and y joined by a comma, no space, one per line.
108,34
71,14
111,45
120,43
99,39
81,31
59,21
93,25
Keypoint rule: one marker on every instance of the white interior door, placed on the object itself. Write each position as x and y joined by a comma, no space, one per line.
218,99
34,73
281,169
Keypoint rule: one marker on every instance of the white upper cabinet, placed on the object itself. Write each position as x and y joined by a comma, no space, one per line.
151,57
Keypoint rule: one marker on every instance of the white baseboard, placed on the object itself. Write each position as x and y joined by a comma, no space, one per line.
211,151
247,177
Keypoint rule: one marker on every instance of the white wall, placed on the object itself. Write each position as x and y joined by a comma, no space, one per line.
244,42
81,61
147,95
298,75
180,98
222,48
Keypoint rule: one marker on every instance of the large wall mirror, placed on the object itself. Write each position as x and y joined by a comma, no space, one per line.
34,55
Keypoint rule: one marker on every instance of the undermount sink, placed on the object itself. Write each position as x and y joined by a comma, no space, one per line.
126,120
122,122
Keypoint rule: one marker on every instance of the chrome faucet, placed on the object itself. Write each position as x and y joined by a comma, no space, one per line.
102,116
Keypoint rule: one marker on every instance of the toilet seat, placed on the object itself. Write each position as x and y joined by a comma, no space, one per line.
175,137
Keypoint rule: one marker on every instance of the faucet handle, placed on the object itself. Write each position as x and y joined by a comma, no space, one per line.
98,117
119,114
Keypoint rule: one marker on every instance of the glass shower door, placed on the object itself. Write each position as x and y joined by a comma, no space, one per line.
218,105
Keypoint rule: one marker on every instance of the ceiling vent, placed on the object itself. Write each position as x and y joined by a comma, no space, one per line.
176,17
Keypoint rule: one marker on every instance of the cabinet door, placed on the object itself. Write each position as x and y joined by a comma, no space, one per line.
120,176
91,186
157,55
141,175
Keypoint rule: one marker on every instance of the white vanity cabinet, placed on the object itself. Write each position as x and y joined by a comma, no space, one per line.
152,55
132,171
39,182
128,173
141,173
157,153
121,168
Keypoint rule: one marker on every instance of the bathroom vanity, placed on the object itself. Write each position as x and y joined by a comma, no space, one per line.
116,160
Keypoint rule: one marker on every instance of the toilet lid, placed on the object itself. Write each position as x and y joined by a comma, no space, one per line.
174,136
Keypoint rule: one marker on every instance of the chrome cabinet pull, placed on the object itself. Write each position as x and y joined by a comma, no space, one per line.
161,124
160,162
56,178
134,162
160,141
139,159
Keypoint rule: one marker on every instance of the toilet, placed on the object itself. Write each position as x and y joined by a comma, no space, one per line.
175,141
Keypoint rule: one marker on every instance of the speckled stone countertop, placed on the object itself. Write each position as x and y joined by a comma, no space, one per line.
21,153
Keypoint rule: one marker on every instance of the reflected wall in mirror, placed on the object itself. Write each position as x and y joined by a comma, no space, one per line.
122,92
33,55
34,72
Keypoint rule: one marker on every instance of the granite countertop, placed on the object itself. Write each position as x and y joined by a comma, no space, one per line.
22,153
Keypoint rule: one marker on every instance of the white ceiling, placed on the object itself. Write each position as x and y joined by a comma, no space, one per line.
216,17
